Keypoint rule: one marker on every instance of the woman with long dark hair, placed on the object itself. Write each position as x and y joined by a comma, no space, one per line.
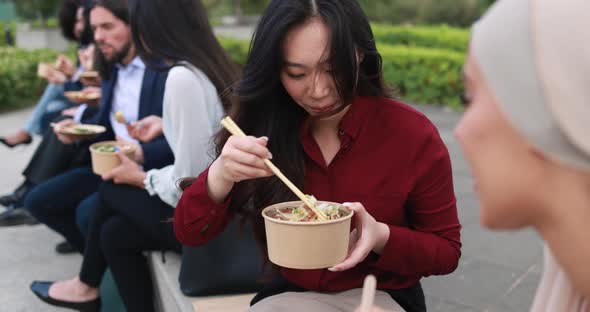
135,208
313,100
73,25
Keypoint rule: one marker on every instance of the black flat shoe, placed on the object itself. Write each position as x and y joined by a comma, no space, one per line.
9,199
25,142
41,290
16,216
64,248
17,197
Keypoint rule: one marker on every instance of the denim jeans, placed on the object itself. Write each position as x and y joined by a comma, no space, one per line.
52,100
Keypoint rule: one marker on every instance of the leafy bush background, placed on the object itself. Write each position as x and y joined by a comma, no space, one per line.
3,26
422,63
438,37
18,75
417,12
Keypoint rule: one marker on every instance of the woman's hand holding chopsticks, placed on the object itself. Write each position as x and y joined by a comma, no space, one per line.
242,158
235,130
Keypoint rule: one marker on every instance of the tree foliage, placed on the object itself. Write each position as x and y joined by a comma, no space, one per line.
36,9
452,12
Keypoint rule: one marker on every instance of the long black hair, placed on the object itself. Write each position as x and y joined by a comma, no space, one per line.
264,106
67,17
179,30
87,36
118,8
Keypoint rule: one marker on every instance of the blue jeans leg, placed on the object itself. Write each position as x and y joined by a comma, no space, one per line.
53,99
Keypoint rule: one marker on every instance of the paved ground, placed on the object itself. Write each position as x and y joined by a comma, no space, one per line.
26,251
498,271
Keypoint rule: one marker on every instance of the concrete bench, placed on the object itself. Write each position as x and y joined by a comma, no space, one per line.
169,298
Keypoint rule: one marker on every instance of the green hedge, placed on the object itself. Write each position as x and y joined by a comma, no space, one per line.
3,26
425,12
50,23
18,75
236,48
420,75
438,37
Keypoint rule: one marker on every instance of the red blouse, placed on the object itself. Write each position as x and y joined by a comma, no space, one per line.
393,161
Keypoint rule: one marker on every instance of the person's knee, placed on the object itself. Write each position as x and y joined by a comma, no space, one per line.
36,200
56,106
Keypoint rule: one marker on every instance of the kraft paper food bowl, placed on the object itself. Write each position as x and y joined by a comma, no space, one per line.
306,245
103,162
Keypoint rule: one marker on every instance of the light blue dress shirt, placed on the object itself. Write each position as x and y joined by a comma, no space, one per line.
126,96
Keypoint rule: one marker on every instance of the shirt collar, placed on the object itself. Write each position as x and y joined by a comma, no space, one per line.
356,115
136,63
352,121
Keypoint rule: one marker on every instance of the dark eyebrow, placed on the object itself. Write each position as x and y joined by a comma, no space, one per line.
291,64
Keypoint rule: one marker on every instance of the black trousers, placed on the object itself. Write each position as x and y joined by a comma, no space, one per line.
128,222
65,202
411,299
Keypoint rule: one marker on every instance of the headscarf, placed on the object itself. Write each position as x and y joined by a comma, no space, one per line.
535,57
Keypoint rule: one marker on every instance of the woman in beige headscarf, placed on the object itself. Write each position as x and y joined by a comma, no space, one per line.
526,134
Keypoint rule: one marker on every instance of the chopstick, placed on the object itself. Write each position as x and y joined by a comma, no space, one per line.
368,295
234,129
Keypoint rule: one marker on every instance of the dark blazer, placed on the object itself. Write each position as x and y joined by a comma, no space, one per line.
157,153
